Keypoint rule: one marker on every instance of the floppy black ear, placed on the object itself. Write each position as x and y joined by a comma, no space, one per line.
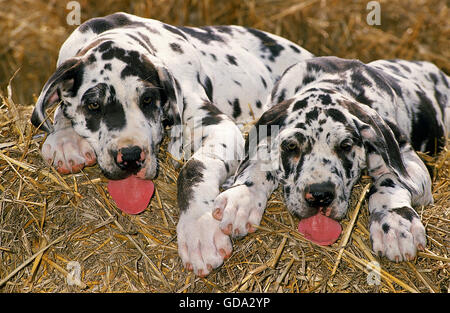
173,106
378,136
268,126
173,111
68,77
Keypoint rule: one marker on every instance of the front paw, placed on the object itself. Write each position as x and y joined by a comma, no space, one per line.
67,151
397,233
238,209
201,244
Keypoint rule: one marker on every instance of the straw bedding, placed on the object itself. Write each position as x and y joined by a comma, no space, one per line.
52,225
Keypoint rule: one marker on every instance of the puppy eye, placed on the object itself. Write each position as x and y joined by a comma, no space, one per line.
290,146
146,100
93,106
346,145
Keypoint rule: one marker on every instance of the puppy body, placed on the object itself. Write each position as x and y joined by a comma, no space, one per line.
335,118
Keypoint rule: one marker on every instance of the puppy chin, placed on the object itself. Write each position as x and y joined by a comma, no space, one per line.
299,209
116,175
337,211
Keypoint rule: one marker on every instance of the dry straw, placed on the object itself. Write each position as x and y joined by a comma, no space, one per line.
48,221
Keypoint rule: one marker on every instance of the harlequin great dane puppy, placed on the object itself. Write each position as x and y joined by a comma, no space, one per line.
121,79
335,118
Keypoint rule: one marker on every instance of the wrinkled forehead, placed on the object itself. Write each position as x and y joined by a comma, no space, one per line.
322,122
124,89
116,65
129,60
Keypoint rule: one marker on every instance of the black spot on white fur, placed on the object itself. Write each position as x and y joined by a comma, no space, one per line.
191,174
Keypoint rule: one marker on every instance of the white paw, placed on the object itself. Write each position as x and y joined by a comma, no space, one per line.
397,234
238,209
67,151
201,244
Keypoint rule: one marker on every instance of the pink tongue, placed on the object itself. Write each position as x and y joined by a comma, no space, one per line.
320,229
131,194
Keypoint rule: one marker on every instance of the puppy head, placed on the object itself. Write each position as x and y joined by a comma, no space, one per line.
118,100
321,157
325,142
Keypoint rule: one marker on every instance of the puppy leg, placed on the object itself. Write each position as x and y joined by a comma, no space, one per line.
395,228
240,208
201,243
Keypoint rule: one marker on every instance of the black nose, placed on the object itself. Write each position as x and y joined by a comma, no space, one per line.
320,195
130,158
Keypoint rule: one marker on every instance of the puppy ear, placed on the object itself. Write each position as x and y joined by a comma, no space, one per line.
265,130
66,77
378,136
173,107
173,111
